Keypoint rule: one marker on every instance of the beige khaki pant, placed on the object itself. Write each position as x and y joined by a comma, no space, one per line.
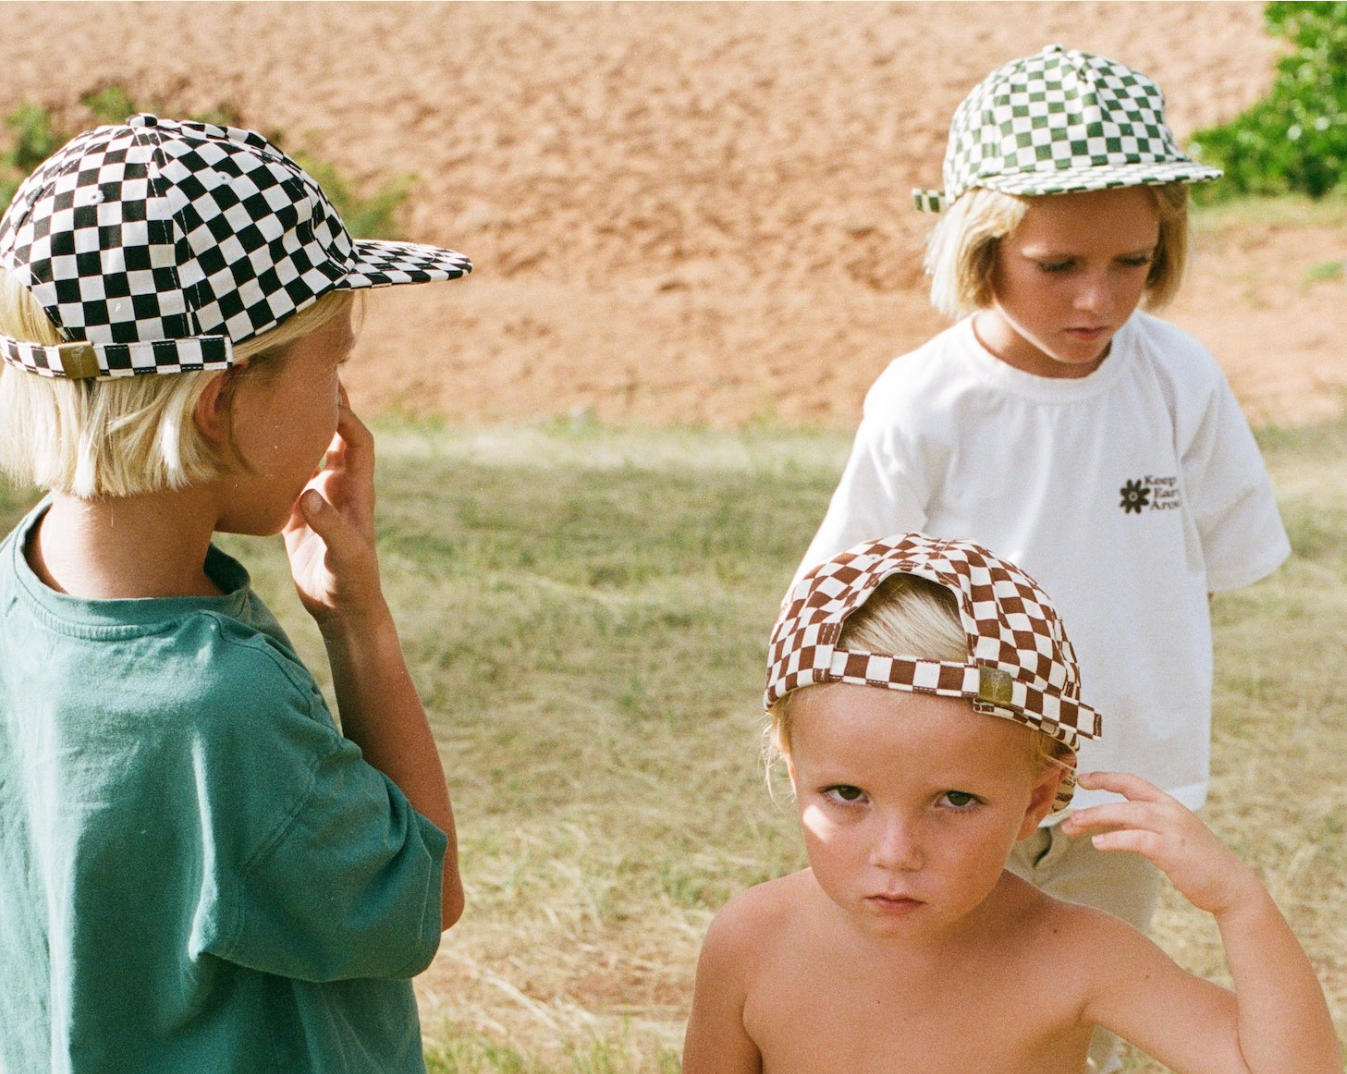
1122,884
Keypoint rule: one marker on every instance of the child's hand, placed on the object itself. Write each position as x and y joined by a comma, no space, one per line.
1151,823
330,535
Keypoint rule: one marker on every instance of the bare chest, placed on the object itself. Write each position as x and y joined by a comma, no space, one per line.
874,1019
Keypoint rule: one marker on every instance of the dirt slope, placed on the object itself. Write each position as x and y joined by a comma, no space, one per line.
679,212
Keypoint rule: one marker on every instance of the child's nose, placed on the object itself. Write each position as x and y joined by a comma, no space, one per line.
897,845
1095,294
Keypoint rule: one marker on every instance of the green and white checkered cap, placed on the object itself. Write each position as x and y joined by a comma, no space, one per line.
1059,122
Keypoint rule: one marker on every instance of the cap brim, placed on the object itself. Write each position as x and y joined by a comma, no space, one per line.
378,263
1099,177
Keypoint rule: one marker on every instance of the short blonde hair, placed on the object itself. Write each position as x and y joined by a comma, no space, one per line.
961,250
124,436
916,618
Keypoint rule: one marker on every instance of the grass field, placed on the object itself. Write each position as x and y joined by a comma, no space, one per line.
586,611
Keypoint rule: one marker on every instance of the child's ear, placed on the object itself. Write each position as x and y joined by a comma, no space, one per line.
1040,801
211,413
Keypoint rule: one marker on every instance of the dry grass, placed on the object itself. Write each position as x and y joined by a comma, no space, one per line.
587,611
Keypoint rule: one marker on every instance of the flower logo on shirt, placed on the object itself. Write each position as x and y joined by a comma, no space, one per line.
1151,492
1135,496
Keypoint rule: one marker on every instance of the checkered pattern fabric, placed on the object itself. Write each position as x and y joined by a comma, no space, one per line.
1020,666
156,245
1058,122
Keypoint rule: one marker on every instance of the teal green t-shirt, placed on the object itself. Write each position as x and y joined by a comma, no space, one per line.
198,873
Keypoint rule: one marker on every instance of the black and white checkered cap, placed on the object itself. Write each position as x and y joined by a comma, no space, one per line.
156,245
1059,122
1020,665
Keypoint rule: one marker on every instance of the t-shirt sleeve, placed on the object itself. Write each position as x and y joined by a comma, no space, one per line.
321,868
877,495
1230,495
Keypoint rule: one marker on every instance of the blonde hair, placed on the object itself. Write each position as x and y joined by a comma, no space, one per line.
961,249
124,436
913,617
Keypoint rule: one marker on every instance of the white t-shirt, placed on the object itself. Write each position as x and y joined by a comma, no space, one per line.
1129,495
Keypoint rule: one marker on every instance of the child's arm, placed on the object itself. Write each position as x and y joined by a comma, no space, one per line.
1278,1018
330,542
716,1041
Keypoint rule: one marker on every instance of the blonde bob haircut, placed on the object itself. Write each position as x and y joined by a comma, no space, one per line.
127,436
962,247
913,617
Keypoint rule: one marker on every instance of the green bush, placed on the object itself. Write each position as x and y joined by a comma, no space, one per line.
112,104
1295,139
35,137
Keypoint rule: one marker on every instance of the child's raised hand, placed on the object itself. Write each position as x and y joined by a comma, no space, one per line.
330,535
1151,823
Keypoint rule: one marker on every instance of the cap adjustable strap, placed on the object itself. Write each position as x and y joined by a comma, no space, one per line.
105,361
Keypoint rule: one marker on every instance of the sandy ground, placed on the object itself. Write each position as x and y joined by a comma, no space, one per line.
689,213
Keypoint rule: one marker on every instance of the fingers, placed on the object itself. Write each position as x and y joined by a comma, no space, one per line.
1137,839
1146,810
322,518
352,434
345,478
351,430
1159,827
1129,786
1147,822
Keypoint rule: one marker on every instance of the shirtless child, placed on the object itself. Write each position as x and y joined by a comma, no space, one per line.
906,946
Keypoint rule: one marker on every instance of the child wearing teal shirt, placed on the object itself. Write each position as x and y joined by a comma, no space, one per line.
201,871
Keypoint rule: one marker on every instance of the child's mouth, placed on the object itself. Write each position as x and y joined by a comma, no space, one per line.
894,904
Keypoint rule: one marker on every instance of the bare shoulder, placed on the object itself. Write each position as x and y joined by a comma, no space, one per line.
760,912
743,939
1071,942
1081,925
1088,948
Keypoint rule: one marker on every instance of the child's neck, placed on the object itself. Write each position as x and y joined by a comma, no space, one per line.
126,547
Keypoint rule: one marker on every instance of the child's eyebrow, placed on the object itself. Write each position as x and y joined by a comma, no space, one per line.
1044,253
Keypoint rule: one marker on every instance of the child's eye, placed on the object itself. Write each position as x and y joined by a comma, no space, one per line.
1057,266
960,799
844,792
1139,261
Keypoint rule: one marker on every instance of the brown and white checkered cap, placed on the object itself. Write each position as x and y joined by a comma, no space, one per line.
1020,666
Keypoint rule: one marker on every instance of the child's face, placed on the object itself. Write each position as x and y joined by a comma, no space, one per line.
1068,277
910,803
283,423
